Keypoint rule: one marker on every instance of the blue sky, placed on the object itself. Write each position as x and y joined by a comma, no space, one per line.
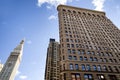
37,21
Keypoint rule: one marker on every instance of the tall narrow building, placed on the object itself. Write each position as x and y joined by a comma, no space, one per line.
1,66
10,67
89,45
52,61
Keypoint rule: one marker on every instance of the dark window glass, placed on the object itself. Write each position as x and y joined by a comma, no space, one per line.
88,77
69,51
71,66
75,58
76,66
83,52
68,45
73,51
81,58
94,67
95,59
88,67
72,45
110,68
70,57
85,58
88,52
78,51
93,53
104,68
99,68
91,58
83,67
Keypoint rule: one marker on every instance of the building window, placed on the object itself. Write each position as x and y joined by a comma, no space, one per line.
104,68
88,77
105,60
70,57
63,66
115,60
83,67
112,77
85,58
77,46
83,52
101,60
64,76
110,54
94,68
99,68
78,51
63,57
74,58
100,77
95,59
102,54
69,51
75,76
71,66
110,68
73,51
76,67
68,45
88,67
93,53
110,60
72,45
64,10
115,67
91,58
88,52
67,40
81,58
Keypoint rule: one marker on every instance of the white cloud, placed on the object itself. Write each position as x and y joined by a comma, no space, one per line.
17,73
99,4
53,2
22,77
29,42
52,17
48,7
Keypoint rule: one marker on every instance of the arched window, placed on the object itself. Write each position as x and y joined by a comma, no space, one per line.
95,59
69,11
79,12
76,66
104,68
84,13
88,67
64,10
74,11
83,67
110,68
71,66
99,68
94,67
81,58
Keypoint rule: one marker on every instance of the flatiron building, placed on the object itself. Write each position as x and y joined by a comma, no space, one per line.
89,45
